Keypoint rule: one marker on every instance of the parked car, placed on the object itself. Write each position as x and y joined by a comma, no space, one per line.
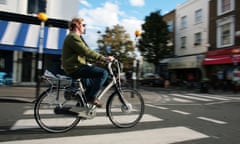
152,80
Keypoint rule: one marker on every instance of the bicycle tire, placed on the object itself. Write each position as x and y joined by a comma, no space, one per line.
119,115
46,116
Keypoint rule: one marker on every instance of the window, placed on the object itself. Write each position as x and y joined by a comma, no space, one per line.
225,6
198,16
183,42
170,26
197,38
183,22
3,2
225,32
36,6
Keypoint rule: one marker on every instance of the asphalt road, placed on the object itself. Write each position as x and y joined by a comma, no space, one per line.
179,117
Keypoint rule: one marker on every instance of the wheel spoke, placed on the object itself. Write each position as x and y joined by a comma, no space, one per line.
126,115
47,112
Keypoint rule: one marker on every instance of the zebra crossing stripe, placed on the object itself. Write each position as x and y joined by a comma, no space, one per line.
48,111
208,96
158,107
190,97
181,112
99,120
182,100
153,136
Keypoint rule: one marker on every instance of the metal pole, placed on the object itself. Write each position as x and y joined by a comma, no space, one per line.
134,74
39,58
134,77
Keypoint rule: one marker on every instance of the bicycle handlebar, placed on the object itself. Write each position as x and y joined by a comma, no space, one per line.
118,70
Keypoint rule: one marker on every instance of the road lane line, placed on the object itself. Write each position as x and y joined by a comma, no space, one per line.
151,136
181,112
212,120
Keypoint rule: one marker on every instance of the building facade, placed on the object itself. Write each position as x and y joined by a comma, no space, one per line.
19,36
191,41
170,19
56,9
223,55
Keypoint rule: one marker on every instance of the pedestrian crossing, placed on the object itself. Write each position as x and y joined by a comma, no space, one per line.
165,135
99,120
191,98
182,97
153,136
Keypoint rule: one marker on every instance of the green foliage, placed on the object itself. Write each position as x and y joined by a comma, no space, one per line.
153,42
117,42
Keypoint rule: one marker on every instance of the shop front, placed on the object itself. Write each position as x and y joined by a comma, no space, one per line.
220,65
19,44
185,69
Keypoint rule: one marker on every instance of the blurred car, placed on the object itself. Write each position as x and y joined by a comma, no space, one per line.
151,79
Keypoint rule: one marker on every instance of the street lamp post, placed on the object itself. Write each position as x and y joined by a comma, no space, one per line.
43,18
134,75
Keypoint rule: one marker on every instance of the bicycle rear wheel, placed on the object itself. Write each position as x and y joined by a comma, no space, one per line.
53,114
125,116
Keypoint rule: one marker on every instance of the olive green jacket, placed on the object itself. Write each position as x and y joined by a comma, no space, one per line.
75,52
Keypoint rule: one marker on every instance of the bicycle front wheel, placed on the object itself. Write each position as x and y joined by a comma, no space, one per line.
52,114
128,114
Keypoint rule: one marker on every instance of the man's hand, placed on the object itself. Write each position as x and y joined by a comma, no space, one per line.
109,58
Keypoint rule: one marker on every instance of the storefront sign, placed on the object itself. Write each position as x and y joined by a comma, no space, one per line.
183,62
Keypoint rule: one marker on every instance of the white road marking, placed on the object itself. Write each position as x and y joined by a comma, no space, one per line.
154,136
48,111
212,120
182,100
158,107
101,120
208,96
181,112
190,97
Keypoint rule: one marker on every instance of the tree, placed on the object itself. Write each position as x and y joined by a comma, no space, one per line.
117,42
153,41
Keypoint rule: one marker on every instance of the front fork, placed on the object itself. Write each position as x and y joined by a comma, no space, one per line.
119,92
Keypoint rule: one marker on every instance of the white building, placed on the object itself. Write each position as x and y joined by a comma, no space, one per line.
19,41
191,38
57,9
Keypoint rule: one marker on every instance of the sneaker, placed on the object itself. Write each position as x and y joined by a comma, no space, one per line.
64,110
97,103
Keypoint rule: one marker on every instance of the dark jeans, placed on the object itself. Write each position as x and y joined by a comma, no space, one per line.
93,78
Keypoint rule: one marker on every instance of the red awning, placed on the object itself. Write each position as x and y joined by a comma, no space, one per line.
221,59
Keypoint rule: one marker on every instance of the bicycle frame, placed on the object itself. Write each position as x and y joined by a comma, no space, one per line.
70,102
114,83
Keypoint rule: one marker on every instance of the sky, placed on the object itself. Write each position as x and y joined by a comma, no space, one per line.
99,14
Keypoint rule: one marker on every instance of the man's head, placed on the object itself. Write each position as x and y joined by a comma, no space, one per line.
77,25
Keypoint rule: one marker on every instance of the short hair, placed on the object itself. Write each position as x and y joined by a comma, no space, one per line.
73,23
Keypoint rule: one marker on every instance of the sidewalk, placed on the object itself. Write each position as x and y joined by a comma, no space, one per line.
18,93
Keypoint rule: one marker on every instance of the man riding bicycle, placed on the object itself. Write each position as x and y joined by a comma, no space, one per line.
74,61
